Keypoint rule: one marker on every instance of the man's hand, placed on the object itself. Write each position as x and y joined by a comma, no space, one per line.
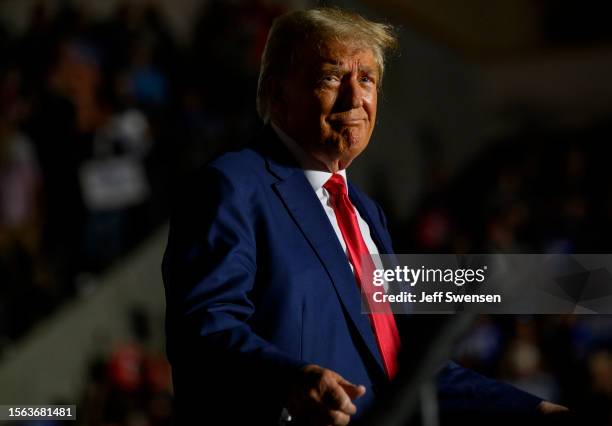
322,397
548,408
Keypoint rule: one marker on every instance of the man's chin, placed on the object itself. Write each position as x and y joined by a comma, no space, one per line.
345,152
345,142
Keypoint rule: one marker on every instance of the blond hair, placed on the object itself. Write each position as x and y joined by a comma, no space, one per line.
316,26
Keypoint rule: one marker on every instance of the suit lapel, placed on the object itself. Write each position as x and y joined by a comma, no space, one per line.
383,242
305,208
376,231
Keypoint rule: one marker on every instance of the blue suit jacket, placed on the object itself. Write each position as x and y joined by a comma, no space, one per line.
257,286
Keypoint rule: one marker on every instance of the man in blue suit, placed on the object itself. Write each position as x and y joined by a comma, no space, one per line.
264,321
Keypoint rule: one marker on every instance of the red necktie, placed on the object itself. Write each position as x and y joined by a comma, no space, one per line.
381,317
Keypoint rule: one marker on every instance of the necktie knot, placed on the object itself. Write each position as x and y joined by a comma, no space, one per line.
335,185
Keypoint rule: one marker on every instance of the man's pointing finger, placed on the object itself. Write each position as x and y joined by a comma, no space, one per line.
337,399
353,391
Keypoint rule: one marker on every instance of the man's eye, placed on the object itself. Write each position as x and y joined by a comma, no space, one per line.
330,79
366,79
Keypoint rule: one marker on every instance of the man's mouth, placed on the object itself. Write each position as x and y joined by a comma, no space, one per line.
347,123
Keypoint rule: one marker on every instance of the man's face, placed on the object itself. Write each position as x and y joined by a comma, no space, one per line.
328,103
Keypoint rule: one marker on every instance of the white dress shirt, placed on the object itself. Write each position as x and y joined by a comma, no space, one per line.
317,179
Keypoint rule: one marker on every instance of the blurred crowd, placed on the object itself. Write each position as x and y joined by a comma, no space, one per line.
131,385
537,191
99,118
128,385
566,359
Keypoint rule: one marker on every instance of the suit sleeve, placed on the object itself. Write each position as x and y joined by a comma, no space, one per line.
463,391
209,270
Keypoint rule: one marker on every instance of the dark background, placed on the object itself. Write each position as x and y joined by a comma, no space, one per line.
494,135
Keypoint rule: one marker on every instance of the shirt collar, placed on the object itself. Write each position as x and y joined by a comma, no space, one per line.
316,178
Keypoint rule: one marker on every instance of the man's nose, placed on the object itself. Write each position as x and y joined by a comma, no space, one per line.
351,94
